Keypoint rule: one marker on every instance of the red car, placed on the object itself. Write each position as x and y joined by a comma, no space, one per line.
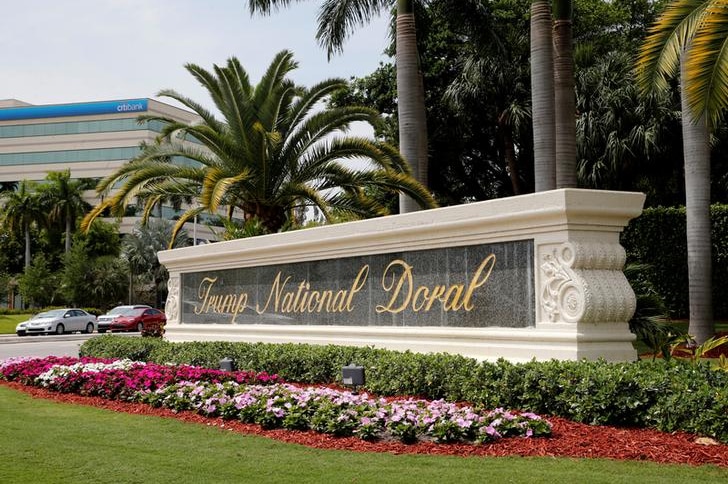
139,320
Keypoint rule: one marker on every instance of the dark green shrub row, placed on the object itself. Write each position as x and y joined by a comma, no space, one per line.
664,395
657,238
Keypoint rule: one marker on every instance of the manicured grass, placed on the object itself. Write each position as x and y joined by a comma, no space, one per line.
54,442
9,321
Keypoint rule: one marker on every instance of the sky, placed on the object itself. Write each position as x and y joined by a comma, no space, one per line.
88,50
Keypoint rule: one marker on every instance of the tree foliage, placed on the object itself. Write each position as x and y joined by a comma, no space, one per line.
272,152
139,250
39,285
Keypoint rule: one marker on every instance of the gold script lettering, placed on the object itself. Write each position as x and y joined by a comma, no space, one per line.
404,278
203,292
277,290
404,293
478,280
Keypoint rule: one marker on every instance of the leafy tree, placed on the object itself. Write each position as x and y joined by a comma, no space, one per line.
337,20
491,77
38,285
87,279
102,238
11,251
625,141
5,279
270,156
63,200
22,210
140,249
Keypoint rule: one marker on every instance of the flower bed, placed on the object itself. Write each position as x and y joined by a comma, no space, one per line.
567,439
263,399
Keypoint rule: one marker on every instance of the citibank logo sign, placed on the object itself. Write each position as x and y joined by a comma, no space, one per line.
77,109
131,107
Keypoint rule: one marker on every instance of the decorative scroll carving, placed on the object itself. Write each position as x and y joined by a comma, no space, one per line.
584,282
171,307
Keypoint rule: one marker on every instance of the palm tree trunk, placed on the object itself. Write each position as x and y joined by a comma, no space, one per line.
410,101
69,228
27,246
565,96
542,97
509,153
696,152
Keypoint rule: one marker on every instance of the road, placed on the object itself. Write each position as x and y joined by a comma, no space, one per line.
64,345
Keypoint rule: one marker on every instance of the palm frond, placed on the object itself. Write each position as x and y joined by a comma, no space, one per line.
707,64
337,20
659,56
265,7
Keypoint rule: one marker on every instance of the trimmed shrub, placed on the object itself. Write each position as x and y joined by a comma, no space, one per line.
666,395
657,238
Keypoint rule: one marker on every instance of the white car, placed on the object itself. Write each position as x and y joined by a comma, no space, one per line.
58,321
104,321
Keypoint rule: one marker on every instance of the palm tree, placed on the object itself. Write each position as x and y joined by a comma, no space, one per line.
272,154
140,249
483,77
564,95
623,138
63,199
337,20
542,96
553,96
21,211
686,35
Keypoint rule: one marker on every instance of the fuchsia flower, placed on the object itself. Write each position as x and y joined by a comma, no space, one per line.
258,396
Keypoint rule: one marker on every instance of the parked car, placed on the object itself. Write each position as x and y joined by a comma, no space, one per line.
104,321
58,321
139,320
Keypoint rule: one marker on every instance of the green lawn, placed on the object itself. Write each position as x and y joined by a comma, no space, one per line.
52,442
9,321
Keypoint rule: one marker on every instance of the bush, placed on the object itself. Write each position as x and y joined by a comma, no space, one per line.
657,238
110,346
666,395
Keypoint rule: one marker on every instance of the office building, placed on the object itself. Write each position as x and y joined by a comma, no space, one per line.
91,139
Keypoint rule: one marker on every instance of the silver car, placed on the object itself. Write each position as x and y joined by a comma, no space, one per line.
104,321
58,321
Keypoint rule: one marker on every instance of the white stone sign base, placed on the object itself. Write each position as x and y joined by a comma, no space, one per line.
583,300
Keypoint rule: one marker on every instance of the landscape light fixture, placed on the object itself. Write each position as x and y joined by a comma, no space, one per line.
227,364
352,375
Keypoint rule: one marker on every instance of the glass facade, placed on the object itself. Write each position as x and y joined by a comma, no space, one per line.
78,127
68,156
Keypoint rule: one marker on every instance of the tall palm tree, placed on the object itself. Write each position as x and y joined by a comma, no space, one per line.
337,20
272,153
21,210
553,95
564,95
686,35
63,199
543,102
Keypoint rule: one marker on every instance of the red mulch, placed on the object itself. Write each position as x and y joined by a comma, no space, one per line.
569,439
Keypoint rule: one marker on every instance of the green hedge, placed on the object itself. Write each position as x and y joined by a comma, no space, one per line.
657,238
668,396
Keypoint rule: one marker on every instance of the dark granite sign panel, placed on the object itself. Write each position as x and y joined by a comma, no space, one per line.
471,286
